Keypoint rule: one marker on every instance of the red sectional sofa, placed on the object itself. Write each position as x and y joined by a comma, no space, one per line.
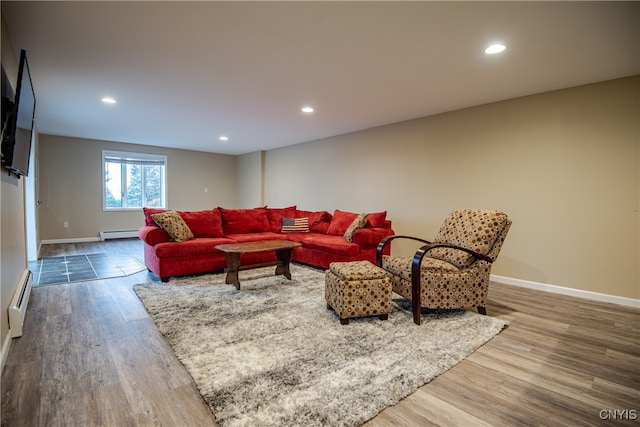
323,244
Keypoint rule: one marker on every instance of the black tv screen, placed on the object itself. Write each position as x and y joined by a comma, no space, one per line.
18,124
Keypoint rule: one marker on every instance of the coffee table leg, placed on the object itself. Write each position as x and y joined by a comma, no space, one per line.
284,259
233,265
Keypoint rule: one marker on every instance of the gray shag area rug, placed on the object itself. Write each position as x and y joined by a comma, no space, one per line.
272,354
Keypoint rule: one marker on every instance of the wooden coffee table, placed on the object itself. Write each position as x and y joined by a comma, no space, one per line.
232,252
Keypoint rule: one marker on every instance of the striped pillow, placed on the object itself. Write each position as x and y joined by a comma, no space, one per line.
295,225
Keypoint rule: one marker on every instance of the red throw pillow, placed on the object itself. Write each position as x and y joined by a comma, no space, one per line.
147,215
318,221
340,222
241,221
276,214
376,219
206,223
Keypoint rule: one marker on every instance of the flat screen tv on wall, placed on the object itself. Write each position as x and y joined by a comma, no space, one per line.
18,114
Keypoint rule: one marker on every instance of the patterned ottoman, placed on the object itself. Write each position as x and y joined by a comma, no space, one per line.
355,289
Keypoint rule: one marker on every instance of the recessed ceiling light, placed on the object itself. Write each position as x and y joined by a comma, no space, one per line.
224,138
108,100
307,109
495,48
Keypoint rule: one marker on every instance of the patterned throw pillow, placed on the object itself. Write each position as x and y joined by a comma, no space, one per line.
295,225
174,225
359,222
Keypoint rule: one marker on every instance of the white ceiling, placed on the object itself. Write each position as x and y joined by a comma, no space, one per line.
185,73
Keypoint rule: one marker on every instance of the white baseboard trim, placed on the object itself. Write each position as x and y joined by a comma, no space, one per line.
71,240
613,299
6,345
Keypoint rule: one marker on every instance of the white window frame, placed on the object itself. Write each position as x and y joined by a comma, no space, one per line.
128,157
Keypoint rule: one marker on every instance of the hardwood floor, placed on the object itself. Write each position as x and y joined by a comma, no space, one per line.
90,355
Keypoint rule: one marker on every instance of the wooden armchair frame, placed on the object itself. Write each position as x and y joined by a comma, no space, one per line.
416,287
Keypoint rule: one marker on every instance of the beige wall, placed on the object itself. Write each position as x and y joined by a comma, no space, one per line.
70,185
13,252
563,165
250,178
13,241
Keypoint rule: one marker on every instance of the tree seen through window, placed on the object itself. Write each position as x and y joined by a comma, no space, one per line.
133,180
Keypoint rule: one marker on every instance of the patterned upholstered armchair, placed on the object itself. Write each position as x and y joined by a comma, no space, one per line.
452,271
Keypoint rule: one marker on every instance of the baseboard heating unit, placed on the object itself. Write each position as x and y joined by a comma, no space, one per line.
18,306
118,234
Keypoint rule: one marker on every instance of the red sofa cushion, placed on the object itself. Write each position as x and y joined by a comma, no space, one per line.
340,222
152,235
299,237
201,246
370,237
376,219
240,221
207,223
276,214
147,215
333,244
318,221
254,237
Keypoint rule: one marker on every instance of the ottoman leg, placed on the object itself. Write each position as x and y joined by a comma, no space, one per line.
384,316
344,321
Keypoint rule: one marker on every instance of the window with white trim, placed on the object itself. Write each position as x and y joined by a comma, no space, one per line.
133,180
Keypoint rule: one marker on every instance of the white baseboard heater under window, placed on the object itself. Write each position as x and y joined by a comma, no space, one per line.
118,234
19,302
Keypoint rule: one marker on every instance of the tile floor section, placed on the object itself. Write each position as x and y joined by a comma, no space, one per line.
73,268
